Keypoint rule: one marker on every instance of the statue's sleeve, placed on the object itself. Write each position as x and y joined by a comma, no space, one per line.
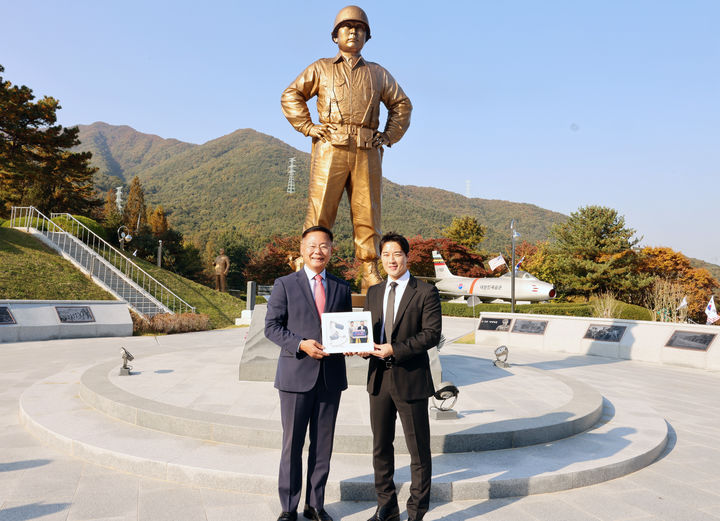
398,106
294,99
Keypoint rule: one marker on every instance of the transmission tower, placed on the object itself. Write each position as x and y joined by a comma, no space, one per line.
118,198
291,176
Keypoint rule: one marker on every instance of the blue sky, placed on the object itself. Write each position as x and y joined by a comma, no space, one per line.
557,103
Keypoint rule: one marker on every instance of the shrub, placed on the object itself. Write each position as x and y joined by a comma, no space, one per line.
633,312
604,305
167,323
624,311
573,310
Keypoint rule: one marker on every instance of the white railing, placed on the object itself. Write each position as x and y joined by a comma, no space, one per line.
30,217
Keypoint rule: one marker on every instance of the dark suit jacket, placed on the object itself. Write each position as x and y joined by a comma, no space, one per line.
417,328
292,317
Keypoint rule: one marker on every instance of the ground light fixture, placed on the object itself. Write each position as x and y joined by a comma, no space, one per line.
126,357
445,397
501,356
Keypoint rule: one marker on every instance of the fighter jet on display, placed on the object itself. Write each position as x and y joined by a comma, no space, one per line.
527,287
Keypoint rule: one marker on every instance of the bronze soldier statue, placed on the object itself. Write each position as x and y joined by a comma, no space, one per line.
347,146
222,267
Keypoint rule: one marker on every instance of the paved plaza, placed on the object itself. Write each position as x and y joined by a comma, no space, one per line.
40,481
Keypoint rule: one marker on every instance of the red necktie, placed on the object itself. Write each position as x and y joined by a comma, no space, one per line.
319,294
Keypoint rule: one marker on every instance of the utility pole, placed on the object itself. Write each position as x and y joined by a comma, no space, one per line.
515,235
118,198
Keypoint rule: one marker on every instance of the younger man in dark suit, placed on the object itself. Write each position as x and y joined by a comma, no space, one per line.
406,315
308,379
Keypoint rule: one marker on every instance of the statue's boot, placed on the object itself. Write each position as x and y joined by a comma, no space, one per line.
296,264
371,276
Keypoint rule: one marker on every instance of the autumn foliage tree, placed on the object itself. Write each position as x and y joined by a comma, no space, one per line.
36,165
157,221
112,217
459,258
135,210
275,260
697,283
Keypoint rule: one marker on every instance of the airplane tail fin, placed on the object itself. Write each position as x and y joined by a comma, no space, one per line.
441,269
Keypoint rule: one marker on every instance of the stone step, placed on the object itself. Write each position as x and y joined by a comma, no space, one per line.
579,412
628,437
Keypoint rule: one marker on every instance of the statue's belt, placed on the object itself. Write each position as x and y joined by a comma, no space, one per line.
352,130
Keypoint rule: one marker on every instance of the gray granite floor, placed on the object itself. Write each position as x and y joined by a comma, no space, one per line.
39,483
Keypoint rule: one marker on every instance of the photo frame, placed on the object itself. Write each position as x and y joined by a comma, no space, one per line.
349,332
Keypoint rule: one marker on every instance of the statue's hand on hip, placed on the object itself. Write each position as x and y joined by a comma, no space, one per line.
322,131
380,139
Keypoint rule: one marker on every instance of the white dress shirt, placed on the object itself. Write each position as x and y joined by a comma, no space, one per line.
311,278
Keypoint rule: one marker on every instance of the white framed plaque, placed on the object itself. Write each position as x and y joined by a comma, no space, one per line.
349,332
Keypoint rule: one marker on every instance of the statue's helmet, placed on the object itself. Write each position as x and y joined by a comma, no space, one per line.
351,13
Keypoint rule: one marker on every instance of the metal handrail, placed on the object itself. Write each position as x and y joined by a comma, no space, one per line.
31,217
138,275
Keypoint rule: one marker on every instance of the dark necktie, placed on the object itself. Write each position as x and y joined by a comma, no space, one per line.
390,312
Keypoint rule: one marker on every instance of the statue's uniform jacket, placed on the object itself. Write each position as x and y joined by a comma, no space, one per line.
349,98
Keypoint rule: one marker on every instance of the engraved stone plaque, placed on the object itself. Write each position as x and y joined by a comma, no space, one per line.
605,333
74,314
532,327
5,316
495,324
691,340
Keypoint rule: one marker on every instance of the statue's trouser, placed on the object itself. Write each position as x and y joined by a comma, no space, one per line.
334,169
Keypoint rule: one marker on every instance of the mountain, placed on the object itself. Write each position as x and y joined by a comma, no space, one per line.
240,180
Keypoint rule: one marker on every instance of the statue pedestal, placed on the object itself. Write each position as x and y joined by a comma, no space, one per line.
437,414
259,357
358,300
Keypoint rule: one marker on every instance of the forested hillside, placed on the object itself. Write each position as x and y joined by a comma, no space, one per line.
241,179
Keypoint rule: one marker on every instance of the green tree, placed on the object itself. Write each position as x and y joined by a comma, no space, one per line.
135,211
465,230
593,251
36,166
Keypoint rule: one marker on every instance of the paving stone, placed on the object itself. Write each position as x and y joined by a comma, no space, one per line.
105,496
696,425
551,507
169,504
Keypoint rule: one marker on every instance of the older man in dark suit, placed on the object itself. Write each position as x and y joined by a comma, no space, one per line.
308,379
406,315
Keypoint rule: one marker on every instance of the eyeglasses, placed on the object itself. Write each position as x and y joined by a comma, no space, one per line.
324,247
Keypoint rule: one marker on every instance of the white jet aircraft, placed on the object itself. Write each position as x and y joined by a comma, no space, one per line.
527,287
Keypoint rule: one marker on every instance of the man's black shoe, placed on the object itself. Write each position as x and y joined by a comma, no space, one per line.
316,515
386,513
287,516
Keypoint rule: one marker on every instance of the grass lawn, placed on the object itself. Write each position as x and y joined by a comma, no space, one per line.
29,270
222,308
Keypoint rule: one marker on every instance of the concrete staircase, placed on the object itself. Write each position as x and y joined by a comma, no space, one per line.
108,267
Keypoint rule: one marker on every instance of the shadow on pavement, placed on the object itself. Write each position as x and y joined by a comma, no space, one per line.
22,465
31,511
